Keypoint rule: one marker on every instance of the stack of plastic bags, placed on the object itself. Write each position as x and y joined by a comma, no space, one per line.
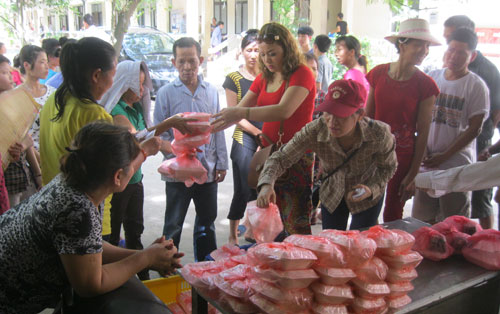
389,274
459,235
185,166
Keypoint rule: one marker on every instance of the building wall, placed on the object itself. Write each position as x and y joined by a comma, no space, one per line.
370,20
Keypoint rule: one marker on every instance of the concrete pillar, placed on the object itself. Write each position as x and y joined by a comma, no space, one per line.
192,19
319,16
264,13
162,15
206,20
252,14
71,20
348,10
107,13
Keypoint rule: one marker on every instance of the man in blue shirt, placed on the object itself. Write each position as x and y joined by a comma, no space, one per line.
190,93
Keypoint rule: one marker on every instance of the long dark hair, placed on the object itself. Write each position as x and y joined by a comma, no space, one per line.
29,53
352,43
97,152
250,37
78,61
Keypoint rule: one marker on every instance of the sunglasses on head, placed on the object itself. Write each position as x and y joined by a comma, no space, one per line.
268,38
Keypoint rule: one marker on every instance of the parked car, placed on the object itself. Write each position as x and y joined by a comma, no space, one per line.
154,47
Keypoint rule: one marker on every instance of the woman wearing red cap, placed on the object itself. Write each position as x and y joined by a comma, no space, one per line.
403,96
357,155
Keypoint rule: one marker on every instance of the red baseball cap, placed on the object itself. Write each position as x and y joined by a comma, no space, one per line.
344,98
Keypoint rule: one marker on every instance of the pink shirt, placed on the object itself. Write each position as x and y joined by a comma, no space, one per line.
358,76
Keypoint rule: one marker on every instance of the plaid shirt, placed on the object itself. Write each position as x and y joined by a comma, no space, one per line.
17,176
373,164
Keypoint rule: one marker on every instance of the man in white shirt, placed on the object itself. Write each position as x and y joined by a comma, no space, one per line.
457,118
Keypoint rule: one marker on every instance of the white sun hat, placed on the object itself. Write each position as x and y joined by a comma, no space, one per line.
415,29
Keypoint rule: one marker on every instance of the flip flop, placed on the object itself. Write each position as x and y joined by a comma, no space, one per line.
241,230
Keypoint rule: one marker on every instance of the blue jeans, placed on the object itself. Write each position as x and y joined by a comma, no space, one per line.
338,219
205,201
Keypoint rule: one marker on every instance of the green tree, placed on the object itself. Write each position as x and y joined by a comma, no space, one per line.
400,6
288,14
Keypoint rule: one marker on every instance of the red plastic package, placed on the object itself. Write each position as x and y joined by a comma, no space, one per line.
289,279
288,299
269,307
374,270
240,259
454,238
332,294
390,242
431,244
483,249
370,290
368,306
397,275
319,308
198,274
184,300
334,276
463,224
410,259
282,256
400,289
227,251
200,126
186,168
239,306
235,281
328,253
398,302
266,223
175,308
357,248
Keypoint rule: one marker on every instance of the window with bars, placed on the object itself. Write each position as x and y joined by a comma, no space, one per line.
141,17
97,14
78,17
220,13
241,16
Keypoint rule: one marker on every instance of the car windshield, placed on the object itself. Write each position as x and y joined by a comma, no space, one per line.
148,43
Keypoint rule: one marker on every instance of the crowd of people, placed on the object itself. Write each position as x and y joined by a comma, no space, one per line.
371,138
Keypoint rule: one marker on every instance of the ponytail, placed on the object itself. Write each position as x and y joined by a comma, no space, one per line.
363,62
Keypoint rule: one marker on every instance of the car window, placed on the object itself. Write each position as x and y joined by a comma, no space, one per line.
147,43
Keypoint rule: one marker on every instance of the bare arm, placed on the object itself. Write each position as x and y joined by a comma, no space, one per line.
232,101
370,104
467,136
34,165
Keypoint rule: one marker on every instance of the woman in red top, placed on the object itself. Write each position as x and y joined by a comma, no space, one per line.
284,91
403,96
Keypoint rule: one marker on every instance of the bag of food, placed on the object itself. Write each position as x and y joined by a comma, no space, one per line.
200,126
370,290
289,299
374,270
269,307
288,279
431,244
455,238
227,251
390,242
398,302
397,275
282,256
332,294
483,249
327,252
235,281
400,289
239,306
368,306
334,276
319,308
185,168
266,223
198,274
357,248
463,224
410,259
240,259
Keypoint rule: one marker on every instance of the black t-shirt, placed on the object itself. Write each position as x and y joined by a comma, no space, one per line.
490,75
237,83
343,27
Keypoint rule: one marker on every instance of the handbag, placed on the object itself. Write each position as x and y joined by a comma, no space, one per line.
260,157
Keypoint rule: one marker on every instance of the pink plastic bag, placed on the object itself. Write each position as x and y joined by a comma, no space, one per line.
431,244
239,306
390,242
289,279
269,307
368,306
319,308
334,276
398,302
288,299
454,238
327,252
198,274
370,290
227,251
175,308
282,256
395,275
410,259
185,168
400,289
202,125
266,223
374,270
332,294
483,249
357,248
463,224
184,300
